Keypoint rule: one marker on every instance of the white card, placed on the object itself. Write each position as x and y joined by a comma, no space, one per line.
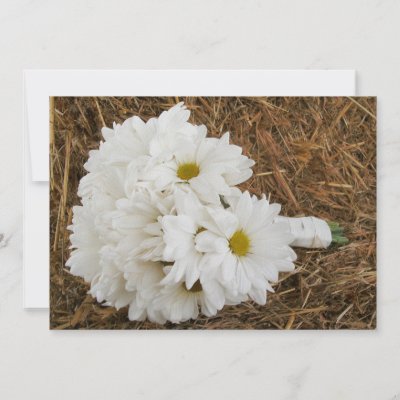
39,85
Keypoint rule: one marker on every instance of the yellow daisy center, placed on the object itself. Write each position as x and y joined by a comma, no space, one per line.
239,243
195,288
199,230
187,171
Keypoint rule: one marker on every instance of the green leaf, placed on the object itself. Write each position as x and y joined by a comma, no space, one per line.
338,237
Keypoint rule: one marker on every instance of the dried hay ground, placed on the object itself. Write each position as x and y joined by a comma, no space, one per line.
316,156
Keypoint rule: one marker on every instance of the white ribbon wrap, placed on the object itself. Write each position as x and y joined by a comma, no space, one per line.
308,232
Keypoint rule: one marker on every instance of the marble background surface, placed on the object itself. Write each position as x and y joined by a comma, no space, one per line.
38,364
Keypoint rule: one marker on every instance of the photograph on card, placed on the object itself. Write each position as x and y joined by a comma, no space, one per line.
213,213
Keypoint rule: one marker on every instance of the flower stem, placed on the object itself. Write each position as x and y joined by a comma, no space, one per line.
337,234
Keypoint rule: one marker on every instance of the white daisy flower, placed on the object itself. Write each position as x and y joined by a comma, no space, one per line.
109,286
94,256
179,233
137,219
107,167
245,248
179,304
143,277
84,260
170,129
209,166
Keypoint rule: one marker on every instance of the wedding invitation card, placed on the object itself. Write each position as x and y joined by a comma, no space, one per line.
210,212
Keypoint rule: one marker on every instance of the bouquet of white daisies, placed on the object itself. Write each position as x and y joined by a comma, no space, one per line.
164,230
